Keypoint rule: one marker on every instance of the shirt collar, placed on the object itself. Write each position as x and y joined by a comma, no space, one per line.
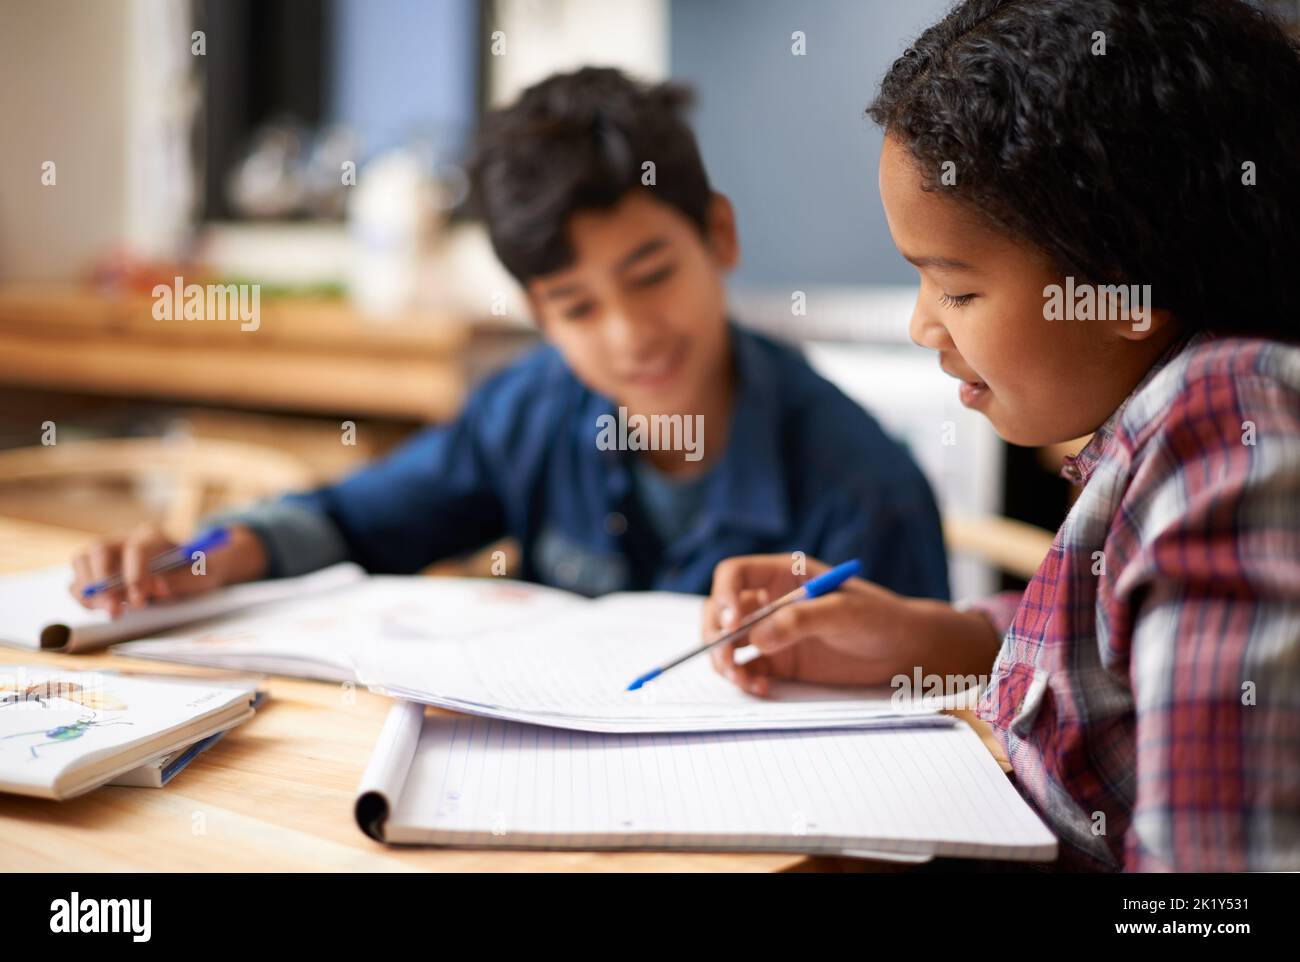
1078,468
747,485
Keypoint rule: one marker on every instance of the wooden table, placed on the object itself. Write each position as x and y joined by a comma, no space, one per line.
275,794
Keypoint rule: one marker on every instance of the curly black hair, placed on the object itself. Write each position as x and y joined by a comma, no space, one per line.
578,141
1129,166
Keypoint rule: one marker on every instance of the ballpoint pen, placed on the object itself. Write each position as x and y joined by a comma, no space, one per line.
815,588
177,557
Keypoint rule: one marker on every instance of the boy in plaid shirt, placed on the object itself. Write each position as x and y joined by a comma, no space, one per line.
1102,202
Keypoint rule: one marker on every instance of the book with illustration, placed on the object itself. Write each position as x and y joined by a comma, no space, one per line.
64,733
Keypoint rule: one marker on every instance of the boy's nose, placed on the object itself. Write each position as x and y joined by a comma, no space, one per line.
925,330
633,334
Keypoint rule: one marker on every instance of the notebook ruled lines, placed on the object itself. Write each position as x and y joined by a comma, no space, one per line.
480,781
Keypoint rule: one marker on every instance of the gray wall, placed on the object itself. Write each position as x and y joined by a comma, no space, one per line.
785,136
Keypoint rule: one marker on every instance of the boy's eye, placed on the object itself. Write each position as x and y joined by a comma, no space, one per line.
654,277
578,311
956,300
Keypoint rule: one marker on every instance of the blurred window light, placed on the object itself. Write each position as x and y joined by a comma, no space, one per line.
294,88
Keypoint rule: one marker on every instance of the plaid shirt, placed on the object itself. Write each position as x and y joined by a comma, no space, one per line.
1148,686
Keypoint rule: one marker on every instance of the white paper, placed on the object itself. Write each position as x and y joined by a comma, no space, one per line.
484,782
33,602
322,637
573,670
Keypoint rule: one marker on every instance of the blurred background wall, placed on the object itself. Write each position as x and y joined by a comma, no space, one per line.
206,138
64,94
786,137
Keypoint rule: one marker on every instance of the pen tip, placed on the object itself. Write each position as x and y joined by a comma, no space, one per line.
648,676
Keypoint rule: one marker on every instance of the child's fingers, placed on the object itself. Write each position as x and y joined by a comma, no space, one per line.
80,574
711,619
141,546
104,560
745,677
722,661
721,656
163,587
81,577
717,620
134,572
711,626
795,623
733,576
752,675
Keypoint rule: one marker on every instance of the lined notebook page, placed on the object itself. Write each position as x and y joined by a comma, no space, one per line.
485,782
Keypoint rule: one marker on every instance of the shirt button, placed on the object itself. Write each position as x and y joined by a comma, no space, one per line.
615,523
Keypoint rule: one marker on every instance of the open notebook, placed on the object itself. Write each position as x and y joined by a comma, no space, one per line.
323,637
520,652
39,612
63,733
572,669
485,783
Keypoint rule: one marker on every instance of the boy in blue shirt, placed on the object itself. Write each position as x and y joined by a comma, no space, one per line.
648,440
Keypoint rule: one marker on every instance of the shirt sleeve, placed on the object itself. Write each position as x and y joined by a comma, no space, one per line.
434,497
1214,590
296,539
999,608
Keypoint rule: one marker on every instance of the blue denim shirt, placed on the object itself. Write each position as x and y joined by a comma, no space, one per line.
805,469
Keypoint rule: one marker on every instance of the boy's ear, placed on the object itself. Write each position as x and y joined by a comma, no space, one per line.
1157,321
724,242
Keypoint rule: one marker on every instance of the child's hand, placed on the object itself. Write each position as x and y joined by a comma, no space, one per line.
851,636
860,634
241,558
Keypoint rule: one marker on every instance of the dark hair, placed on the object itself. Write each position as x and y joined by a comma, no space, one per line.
577,141
1125,167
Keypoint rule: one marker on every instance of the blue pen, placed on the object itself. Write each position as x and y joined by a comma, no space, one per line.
177,557
822,584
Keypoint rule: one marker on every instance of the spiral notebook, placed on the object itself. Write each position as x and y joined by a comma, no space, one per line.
487,783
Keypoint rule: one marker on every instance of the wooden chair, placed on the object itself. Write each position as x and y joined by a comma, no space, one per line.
1011,546
200,475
